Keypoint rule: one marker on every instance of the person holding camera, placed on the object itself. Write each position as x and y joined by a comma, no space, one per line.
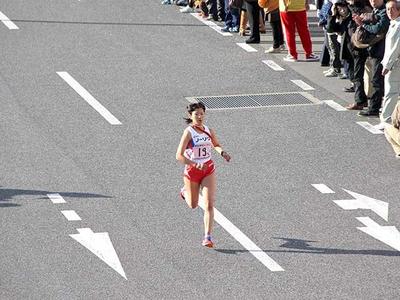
375,23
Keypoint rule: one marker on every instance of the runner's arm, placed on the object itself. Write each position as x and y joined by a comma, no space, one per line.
182,147
218,147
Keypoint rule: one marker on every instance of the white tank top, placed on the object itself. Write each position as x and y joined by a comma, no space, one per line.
199,148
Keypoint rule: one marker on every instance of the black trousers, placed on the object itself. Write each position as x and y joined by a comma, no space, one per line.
276,26
377,80
217,9
253,12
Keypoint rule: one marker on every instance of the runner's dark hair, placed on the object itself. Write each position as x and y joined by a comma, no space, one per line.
192,107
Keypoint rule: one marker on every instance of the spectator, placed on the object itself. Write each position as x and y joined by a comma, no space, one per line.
331,40
375,23
271,9
253,13
392,132
294,16
391,61
217,9
231,18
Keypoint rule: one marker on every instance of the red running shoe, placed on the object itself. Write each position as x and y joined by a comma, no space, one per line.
207,242
182,193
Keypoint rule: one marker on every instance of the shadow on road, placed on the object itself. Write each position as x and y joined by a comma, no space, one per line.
304,246
10,194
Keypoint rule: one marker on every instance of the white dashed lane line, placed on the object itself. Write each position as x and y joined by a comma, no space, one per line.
6,21
56,198
211,24
370,127
89,98
304,86
323,188
71,215
273,65
246,47
334,105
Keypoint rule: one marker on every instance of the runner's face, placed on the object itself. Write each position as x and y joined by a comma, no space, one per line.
198,116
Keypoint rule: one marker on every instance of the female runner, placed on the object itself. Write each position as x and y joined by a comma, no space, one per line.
194,151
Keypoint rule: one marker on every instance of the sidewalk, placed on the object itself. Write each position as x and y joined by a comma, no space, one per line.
313,70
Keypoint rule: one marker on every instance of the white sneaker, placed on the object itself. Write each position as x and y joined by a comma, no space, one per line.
331,73
187,9
282,47
290,58
273,50
312,57
327,71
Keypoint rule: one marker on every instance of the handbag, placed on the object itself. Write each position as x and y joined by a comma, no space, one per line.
361,38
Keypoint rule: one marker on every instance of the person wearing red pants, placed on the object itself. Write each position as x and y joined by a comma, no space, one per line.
294,16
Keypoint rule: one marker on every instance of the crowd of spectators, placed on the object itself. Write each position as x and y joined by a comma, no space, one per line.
361,44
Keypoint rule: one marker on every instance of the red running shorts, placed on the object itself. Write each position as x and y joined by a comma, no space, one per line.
196,175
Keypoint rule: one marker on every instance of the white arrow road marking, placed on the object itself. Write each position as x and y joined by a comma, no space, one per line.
323,188
244,240
89,98
56,198
387,234
101,245
6,21
381,208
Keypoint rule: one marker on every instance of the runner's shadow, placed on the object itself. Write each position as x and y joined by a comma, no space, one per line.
7,195
304,246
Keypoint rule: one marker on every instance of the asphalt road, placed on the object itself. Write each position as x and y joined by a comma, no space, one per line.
141,60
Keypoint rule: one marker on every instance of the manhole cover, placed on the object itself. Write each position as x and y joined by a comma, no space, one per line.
256,100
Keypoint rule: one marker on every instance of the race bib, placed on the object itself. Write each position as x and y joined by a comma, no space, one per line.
201,152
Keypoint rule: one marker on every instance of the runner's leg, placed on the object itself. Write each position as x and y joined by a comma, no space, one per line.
192,190
209,189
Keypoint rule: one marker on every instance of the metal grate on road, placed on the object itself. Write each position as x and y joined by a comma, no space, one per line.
255,100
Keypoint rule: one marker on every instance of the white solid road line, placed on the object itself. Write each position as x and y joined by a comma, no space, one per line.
244,240
334,105
6,21
246,47
71,215
323,188
303,85
89,98
273,65
370,127
56,198
211,24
